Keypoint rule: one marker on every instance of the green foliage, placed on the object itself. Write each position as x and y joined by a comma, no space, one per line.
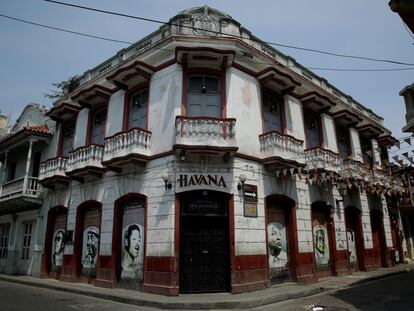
64,87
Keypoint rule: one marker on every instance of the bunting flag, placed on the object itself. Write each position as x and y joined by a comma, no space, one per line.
395,158
369,152
397,144
285,170
277,174
300,170
408,140
405,154
292,170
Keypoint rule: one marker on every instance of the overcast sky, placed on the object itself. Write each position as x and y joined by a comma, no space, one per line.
32,58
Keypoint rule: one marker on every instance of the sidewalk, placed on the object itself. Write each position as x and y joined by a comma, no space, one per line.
212,301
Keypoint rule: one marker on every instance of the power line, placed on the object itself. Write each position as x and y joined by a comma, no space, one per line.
408,30
230,35
170,50
64,30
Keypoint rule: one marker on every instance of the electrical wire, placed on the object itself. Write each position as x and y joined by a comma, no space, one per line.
171,50
64,30
408,30
229,35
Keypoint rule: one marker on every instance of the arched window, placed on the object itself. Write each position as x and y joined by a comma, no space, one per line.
203,96
137,109
271,113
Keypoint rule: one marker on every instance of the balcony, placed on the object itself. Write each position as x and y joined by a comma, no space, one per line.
122,148
356,170
281,150
85,162
52,172
323,159
205,135
20,195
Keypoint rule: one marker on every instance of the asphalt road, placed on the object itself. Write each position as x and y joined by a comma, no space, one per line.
394,293
16,297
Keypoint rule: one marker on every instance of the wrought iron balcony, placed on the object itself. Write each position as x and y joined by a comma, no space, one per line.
205,133
85,161
126,147
52,172
275,145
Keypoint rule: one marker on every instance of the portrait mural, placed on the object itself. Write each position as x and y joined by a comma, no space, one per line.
277,245
321,244
58,247
132,252
352,254
90,247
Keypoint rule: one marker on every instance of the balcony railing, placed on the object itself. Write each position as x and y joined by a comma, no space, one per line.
134,142
17,187
84,158
205,132
319,158
356,170
281,145
53,168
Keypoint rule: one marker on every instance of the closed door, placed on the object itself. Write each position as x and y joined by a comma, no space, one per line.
27,247
98,127
271,113
138,110
204,96
311,131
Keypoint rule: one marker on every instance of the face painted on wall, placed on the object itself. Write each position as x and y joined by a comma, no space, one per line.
132,240
320,241
92,243
59,244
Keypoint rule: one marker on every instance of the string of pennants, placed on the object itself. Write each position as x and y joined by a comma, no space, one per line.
404,156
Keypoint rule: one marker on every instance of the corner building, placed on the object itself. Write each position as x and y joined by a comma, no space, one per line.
201,160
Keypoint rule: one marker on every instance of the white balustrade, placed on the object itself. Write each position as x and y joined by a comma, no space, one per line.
83,157
281,145
135,141
53,167
205,131
319,158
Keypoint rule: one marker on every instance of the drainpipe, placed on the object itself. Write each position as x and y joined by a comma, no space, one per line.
26,175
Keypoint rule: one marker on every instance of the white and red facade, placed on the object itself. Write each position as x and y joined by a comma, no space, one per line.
233,160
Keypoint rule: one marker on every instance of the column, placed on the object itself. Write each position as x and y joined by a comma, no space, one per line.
4,171
26,174
355,145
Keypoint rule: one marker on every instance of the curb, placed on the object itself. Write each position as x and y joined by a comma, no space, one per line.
243,303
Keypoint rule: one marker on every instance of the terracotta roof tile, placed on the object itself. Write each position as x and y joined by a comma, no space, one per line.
42,128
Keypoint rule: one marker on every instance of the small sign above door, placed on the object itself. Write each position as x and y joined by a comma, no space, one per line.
200,181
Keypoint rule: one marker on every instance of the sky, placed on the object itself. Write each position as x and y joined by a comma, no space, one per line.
32,58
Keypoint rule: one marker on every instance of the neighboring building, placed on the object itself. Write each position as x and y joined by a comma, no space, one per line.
21,196
3,125
195,161
405,8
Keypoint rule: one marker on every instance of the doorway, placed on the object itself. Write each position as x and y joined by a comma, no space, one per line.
204,242
355,240
378,238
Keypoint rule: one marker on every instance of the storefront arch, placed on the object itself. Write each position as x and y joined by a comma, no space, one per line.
54,241
323,229
355,238
281,238
204,241
87,240
130,219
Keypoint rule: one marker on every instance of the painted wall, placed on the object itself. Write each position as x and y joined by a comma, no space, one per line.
243,103
329,134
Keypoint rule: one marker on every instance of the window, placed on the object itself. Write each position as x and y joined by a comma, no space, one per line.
36,164
271,113
137,114
27,240
343,142
4,240
98,127
312,131
68,136
203,96
366,148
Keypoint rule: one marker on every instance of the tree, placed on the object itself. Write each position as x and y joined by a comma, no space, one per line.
64,87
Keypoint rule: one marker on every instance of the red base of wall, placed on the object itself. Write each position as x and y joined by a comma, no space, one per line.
305,272
67,274
161,276
104,276
341,265
249,273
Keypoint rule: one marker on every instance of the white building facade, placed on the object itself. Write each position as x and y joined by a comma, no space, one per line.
201,160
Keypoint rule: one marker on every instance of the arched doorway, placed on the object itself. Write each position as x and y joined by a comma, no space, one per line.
128,240
323,238
378,238
87,239
204,242
355,239
281,238
55,241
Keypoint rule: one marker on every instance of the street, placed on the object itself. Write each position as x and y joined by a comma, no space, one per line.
393,293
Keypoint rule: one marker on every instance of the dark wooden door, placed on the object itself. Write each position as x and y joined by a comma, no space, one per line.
204,254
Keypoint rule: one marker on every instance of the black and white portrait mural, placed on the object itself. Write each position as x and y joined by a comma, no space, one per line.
132,253
321,244
58,247
277,245
352,254
90,247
